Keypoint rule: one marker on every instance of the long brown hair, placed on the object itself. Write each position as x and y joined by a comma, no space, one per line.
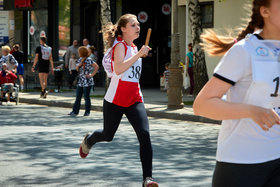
217,45
112,31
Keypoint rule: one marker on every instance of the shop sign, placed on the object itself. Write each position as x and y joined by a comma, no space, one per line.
23,3
143,16
42,34
31,30
166,9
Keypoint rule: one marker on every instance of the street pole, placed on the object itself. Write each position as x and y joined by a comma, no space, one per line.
175,79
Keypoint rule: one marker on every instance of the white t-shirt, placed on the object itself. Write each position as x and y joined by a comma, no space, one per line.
72,64
242,140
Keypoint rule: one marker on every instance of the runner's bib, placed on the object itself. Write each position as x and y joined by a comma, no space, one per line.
46,52
264,90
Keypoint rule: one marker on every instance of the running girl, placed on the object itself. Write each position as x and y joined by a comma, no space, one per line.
248,152
44,58
124,95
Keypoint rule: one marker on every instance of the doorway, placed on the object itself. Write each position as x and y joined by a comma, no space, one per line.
159,20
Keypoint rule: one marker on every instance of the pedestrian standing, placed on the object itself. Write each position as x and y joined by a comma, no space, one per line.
92,55
19,56
86,43
87,69
190,67
7,79
8,59
248,152
43,56
72,69
165,77
70,50
123,95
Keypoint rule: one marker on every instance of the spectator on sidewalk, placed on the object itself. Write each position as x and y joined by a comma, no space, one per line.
85,67
19,56
165,77
71,49
44,59
86,43
92,54
72,69
7,79
189,66
9,59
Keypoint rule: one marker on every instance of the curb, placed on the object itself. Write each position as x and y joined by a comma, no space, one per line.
150,113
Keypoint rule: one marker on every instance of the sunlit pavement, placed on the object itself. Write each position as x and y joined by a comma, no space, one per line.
39,146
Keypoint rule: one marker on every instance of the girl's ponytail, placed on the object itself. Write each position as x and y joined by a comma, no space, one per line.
109,33
216,45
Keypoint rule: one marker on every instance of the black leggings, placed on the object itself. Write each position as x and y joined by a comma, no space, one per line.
137,116
247,175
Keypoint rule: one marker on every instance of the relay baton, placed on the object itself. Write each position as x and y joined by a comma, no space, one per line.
148,38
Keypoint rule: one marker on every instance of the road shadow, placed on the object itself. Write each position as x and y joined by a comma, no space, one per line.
39,146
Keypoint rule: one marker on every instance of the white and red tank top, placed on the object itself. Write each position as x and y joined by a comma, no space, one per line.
124,89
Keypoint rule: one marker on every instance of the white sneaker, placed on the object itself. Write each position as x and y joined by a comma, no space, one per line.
84,148
9,103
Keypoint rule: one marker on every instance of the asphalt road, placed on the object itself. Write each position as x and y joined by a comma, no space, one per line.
39,147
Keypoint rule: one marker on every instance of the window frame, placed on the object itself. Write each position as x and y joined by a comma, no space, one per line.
207,25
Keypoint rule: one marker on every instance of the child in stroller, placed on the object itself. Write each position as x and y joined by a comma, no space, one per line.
7,79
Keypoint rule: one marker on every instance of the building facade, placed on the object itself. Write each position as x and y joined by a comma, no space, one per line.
220,15
65,20
62,21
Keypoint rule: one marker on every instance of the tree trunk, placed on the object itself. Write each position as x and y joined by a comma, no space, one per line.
200,70
105,18
175,79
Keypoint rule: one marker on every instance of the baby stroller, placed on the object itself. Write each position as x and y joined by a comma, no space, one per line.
11,88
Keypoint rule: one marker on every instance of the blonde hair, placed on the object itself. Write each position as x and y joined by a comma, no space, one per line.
217,45
112,31
6,48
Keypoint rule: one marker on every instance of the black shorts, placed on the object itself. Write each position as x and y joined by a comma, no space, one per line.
44,67
247,175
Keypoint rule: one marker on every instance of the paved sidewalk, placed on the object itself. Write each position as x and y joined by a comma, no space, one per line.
155,103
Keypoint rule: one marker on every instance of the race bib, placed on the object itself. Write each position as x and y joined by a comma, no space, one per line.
265,73
46,52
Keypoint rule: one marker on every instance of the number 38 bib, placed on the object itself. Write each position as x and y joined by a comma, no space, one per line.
264,91
124,89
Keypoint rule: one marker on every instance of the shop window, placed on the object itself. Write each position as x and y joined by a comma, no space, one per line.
63,27
38,27
207,14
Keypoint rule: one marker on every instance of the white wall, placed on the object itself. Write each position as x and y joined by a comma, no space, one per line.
228,14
